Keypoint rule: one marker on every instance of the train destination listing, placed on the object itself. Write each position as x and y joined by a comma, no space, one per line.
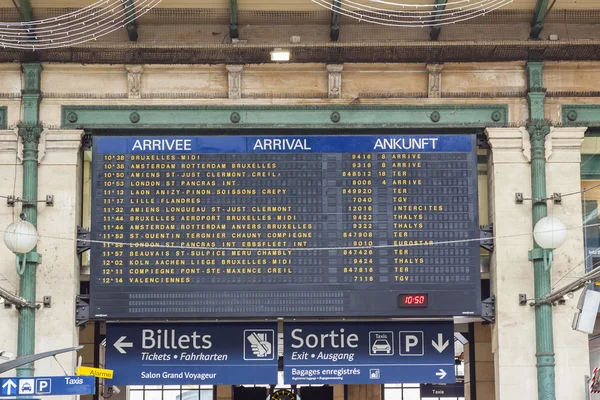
312,225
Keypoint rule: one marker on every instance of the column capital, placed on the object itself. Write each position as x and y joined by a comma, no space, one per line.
509,145
563,145
61,146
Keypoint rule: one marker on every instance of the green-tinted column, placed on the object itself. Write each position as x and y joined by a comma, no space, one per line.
538,130
30,132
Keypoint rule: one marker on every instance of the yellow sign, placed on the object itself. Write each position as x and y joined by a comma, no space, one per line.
97,372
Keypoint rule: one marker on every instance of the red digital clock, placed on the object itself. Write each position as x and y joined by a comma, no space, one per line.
413,300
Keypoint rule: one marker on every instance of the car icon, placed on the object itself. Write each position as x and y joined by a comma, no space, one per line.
26,387
381,346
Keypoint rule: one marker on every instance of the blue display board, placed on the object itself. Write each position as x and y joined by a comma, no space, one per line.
47,386
284,226
368,352
198,354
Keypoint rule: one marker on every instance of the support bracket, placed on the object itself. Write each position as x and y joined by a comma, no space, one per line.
488,310
83,237
82,312
47,301
486,232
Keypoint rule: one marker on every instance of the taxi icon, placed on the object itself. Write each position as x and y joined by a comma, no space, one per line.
381,346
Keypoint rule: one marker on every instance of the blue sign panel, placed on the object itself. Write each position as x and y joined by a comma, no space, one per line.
192,353
283,144
287,225
47,386
372,352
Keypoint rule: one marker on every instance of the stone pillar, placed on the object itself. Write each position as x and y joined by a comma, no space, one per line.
134,81
563,158
10,177
58,275
334,72
235,81
511,272
364,392
223,393
481,345
434,88
513,334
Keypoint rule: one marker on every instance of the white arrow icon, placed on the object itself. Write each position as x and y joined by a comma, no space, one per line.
9,385
441,374
119,344
440,345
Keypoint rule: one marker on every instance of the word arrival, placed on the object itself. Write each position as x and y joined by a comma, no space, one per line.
281,144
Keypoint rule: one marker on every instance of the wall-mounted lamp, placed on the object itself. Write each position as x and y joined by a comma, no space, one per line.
549,233
21,237
280,55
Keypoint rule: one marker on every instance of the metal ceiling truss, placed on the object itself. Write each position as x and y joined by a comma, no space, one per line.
440,5
234,32
131,26
334,32
26,10
537,23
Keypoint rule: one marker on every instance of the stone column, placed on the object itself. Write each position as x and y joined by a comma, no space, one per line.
235,81
364,392
58,275
513,334
563,158
10,177
434,88
483,380
334,72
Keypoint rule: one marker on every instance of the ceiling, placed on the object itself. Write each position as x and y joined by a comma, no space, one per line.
293,5
199,31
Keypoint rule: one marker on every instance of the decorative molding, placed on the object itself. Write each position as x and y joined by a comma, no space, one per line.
509,145
235,81
134,80
3,117
334,72
580,115
219,117
434,87
563,145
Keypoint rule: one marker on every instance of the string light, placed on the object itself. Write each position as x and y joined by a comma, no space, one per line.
80,26
413,15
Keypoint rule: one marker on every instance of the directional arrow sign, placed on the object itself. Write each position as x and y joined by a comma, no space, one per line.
47,386
119,344
374,353
8,387
192,353
440,346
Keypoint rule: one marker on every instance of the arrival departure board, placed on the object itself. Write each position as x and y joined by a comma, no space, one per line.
284,226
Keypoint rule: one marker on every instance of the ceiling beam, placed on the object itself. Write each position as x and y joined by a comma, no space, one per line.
537,23
25,10
131,26
334,32
234,32
439,5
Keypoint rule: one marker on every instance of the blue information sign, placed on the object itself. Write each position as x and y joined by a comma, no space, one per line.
192,353
47,386
287,225
283,144
371,352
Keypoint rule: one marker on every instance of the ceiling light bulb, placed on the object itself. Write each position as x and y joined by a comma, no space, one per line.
280,55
